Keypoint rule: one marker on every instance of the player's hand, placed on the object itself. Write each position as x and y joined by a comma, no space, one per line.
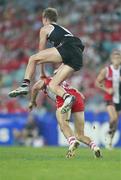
109,91
32,105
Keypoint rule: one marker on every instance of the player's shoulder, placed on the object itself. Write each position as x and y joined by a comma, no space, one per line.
104,69
108,68
46,28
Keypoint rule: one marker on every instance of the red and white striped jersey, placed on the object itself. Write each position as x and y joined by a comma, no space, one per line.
47,90
112,80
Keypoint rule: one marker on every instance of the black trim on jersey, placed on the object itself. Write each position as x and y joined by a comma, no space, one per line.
58,34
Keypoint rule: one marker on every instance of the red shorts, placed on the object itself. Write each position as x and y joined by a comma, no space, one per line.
78,104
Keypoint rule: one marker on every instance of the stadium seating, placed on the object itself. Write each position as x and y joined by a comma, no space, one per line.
97,24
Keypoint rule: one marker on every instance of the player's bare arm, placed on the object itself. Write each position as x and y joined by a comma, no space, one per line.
100,82
35,90
43,36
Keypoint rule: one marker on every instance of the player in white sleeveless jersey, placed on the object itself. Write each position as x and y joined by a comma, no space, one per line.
109,80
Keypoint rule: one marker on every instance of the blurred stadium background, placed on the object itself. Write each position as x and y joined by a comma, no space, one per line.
97,23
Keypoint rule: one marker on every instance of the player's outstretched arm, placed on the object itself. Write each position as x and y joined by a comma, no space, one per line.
35,90
43,74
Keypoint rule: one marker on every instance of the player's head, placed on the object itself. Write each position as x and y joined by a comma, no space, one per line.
49,15
116,57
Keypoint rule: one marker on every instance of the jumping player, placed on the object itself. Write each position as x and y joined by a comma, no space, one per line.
73,139
109,80
67,50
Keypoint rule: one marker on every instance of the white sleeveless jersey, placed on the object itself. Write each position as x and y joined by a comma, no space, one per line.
116,82
50,94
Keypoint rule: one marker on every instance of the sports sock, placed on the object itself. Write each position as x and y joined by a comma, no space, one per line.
92,145
25,83
71,140
65,95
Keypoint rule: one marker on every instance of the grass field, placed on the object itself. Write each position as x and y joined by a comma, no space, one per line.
49,163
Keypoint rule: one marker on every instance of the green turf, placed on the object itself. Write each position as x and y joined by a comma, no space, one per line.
22,163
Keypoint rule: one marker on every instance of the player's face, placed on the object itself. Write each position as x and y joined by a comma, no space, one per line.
116,59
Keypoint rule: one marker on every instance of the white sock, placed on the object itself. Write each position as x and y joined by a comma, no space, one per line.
92,145
71,140
66,95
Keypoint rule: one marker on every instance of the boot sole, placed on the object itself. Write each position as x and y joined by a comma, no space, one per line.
15,94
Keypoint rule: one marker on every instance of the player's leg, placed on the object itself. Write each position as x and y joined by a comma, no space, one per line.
63,121
113,114
48,55
59,77
79,128
79,132
45,56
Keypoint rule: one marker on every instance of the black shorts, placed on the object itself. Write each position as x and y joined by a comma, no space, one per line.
117,106
71,50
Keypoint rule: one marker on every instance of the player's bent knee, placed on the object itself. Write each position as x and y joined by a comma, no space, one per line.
31,59
115,118
35,58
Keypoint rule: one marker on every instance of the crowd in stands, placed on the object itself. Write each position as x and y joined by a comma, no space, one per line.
97,23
